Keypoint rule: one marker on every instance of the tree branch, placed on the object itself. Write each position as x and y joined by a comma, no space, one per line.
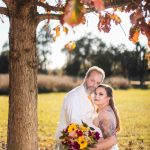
4,11
117,3
109,5
42,17
48,7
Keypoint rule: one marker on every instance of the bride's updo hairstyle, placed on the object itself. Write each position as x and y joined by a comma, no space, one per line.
109,92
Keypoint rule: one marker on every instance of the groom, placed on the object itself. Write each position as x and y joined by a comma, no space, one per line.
77,105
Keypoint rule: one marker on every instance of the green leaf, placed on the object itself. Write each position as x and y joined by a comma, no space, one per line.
92,128
84,124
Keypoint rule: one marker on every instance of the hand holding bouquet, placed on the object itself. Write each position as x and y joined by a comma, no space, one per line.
79,137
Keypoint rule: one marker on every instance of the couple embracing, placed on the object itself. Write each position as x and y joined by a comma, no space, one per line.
92,102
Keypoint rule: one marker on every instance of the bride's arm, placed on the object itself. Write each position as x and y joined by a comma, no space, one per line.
105,144
108,129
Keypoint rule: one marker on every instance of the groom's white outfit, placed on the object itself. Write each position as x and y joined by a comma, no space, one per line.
76,108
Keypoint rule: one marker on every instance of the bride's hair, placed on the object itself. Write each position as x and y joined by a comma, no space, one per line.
109,92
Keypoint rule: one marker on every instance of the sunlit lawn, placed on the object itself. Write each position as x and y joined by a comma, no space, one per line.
133,105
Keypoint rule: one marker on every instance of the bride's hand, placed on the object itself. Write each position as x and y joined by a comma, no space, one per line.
97,147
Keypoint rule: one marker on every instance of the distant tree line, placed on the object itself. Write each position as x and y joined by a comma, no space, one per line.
89,51
115,60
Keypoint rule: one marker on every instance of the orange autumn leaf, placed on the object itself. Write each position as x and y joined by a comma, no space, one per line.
57,30
135,37
42,1
65,29
70,46
57,33
115,18
134,33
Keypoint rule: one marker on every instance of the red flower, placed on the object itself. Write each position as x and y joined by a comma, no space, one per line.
79,133
90,133
97,135
76,145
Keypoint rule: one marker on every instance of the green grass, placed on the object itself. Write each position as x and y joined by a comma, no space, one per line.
133,106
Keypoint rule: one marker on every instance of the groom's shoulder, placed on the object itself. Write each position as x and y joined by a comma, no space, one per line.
75,91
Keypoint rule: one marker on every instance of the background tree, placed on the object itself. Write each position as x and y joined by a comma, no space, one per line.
24,18
44,38
115,60
82,57
4,62
141,63
4,58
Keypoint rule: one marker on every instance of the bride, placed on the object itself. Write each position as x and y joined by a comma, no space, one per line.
107,119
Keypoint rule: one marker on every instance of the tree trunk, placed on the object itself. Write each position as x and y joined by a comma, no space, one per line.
22,122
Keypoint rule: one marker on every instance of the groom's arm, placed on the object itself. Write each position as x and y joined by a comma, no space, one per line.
72,111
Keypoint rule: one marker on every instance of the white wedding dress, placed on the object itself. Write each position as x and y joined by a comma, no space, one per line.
115,147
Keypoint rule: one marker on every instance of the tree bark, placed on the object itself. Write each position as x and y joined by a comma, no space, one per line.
22,122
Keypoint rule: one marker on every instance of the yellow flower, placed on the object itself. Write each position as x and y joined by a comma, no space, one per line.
72,127
83,128
82,142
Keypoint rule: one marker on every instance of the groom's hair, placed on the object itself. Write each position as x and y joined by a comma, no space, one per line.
97,69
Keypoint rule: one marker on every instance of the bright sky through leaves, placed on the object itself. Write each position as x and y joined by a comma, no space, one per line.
115,36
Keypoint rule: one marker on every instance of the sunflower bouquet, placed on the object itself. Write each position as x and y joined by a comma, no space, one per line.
79,137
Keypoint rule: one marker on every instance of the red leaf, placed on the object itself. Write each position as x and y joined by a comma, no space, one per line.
146,29
134,17
104,23
74,13
98,4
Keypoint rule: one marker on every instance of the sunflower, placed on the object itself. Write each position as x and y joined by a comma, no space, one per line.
82,142
83,128
72,127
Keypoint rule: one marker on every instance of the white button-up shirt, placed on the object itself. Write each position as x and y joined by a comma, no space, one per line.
76,108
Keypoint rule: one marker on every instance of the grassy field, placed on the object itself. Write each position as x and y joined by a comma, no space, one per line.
133,106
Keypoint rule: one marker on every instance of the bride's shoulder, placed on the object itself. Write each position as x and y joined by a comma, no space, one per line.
96,120
105,115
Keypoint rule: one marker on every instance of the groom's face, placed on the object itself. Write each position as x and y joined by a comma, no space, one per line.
92,81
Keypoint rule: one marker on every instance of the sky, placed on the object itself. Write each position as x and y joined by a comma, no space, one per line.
116,36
